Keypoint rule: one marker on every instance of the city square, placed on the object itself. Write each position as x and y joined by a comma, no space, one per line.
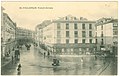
59,43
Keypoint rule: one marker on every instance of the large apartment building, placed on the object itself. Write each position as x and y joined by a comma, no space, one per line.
67,35
107,35
7,35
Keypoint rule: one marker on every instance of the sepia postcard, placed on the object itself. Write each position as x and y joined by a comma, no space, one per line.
59,38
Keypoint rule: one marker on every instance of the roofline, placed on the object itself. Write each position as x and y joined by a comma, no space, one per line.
73,21
9,18
42,25
114,20
2,8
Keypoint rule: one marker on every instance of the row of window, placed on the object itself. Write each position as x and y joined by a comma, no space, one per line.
67,18
75,50
9,29
114,27
75,34
115,24
75,41
115,32
75,26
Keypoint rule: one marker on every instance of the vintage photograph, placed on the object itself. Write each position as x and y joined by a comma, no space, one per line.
59,38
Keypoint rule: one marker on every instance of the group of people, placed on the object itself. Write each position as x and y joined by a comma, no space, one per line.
16,54
48,54
16,57
28,46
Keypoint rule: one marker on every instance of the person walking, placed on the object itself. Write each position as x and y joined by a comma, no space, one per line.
17,54
44,55
19,69
12,54
82,60
48,54
95,57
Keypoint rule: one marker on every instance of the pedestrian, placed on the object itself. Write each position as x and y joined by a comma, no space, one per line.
48,54
44,55
17,53
30,45
104,62
19,69
82,60
95,57
90,67
12,55
12,59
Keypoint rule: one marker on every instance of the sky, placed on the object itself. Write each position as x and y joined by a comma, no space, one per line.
28,15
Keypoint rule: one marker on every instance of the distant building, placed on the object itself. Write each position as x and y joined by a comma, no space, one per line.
39,31
107,35
7,35
67,35
24,35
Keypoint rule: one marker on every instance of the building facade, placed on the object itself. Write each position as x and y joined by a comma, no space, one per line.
39,31
24,35
2,31
107,35
8,28
67,36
